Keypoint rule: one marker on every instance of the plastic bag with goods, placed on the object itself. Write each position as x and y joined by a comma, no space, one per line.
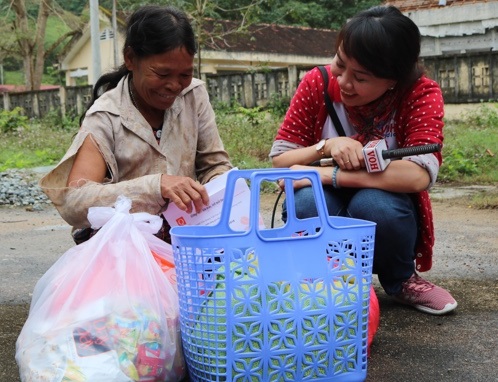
106,310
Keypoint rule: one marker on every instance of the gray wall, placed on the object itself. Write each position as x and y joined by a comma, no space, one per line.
464,78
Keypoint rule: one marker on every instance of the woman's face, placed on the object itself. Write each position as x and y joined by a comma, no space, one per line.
358,86
160,78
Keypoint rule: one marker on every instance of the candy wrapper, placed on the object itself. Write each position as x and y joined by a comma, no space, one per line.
107,310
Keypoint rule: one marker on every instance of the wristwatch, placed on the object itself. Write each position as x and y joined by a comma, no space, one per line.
320,146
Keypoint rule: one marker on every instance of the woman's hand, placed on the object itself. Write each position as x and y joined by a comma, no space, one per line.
347,153
186,193
325,176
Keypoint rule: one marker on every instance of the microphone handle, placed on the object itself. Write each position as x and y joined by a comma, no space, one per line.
324,162
389,154
409,151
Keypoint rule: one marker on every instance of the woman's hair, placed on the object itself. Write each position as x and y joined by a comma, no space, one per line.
385,42
150,30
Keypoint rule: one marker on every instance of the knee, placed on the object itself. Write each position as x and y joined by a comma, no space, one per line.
384,208
305,206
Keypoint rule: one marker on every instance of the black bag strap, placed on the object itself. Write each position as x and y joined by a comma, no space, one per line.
328,103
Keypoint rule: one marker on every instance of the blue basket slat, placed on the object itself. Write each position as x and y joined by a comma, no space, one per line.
282,304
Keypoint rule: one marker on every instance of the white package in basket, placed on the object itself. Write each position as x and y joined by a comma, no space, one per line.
105,311
283,304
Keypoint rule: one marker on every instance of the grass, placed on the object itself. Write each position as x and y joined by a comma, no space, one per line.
471,144
17,78
33,143
248,139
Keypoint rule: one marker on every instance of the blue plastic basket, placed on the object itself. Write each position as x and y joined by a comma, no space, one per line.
282,304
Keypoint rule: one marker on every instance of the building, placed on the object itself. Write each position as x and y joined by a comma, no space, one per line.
77,60
260,47
459,45
449,27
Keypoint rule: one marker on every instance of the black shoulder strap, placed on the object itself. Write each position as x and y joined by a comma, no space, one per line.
328,104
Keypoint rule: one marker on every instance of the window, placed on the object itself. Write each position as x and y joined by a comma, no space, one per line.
447,78
107,34
261,90
236,89
480,76
213,89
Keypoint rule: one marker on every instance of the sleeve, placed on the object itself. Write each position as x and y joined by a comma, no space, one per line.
211,158
306,110
73,203
422,123
431,165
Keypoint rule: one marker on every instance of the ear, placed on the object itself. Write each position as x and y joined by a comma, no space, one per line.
129,58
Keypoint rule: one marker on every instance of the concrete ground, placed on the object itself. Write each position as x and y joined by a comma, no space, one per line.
409,347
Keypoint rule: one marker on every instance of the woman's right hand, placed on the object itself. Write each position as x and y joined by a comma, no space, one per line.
186,193
324,172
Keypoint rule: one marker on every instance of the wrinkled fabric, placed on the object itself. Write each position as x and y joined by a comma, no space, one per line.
190,146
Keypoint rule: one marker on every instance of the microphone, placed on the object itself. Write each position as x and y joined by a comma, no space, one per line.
377,157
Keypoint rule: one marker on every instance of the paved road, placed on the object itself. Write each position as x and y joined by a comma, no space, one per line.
409,346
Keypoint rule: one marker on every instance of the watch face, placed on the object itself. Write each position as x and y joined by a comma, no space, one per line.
320,144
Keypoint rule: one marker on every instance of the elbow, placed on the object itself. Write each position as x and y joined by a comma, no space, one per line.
416,190
421,183
277,162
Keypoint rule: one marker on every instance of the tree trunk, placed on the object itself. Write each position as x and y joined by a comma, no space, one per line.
22,31
31,44
39,58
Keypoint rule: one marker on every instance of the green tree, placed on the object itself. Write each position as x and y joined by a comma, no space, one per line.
24,29
328,14
74,6
203,12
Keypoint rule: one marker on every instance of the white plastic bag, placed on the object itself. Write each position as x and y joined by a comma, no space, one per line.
105,311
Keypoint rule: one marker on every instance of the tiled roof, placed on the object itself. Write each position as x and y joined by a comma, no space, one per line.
265,38
415,5
276,39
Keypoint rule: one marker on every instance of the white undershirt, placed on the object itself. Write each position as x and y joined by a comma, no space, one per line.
329,130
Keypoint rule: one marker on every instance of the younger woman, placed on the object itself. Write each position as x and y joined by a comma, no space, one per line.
379,92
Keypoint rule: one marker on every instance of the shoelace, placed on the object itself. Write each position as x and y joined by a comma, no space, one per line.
418,284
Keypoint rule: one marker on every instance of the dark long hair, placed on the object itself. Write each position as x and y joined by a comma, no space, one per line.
385,42
150,30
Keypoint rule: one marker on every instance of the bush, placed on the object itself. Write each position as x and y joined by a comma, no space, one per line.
278,105
469,151
12,120
470,147
457,163
37,143
484,117
56,121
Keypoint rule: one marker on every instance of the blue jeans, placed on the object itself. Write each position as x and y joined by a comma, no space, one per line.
395,234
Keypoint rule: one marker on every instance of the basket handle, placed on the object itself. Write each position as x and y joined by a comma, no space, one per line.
257,176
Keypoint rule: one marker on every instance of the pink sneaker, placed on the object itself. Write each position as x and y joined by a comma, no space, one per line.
425,296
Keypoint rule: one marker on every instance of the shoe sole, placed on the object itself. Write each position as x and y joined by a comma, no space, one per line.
447,308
